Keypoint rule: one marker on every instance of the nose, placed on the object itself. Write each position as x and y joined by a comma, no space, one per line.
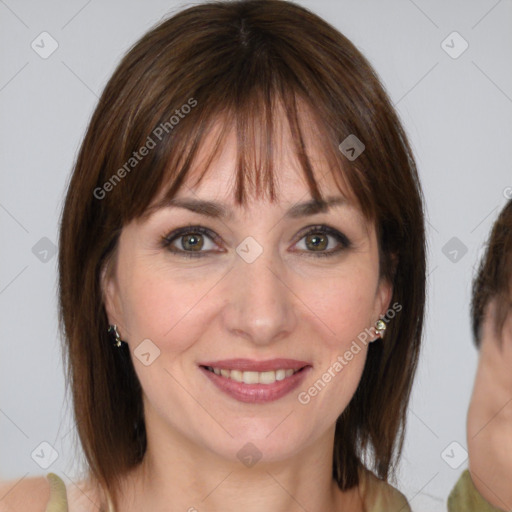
260,303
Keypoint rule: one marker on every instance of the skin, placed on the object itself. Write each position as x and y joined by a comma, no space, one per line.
288,303
489,421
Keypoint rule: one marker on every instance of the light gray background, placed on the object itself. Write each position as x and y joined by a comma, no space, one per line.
457,113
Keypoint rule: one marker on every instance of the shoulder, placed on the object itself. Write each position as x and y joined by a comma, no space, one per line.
378,495
465,497
49,493
25,493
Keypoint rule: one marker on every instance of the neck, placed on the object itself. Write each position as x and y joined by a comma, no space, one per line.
179,475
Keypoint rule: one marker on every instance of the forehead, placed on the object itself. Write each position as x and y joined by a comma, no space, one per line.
212,192
216,179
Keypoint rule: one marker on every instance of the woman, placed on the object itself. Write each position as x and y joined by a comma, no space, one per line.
486,485
242,272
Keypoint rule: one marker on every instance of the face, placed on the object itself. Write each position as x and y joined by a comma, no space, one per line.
260,293
489,419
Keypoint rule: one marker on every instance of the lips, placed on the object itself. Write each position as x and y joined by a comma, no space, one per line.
248,365
268,377
256,381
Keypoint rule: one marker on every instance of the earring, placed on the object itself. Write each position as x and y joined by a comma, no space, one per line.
112,330
380,327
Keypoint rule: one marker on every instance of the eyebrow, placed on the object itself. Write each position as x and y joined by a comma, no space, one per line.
218,210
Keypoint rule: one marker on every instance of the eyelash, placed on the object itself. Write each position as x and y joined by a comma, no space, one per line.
167,240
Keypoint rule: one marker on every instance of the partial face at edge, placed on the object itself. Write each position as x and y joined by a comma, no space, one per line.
259,286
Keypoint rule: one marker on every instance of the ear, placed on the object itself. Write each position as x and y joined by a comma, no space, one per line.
110,294
383,297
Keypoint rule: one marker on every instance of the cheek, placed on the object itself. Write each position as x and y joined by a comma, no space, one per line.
347,306
160,307
345,309
172,308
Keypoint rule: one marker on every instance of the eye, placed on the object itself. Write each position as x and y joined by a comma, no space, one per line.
318,238
188,241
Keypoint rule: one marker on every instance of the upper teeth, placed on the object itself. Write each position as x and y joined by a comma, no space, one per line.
254,377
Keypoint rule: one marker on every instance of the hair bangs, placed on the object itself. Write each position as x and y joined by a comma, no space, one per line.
264,122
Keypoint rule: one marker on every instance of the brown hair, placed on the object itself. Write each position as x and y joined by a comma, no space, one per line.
494,277
237,60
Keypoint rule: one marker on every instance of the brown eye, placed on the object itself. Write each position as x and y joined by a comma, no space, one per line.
318,238
190,241
317,241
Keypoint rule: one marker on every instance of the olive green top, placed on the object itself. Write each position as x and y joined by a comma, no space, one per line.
466,498
378,496
58,496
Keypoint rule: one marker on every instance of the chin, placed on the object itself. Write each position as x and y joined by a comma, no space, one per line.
269,441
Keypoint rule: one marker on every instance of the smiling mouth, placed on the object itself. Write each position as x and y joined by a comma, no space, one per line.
250,377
